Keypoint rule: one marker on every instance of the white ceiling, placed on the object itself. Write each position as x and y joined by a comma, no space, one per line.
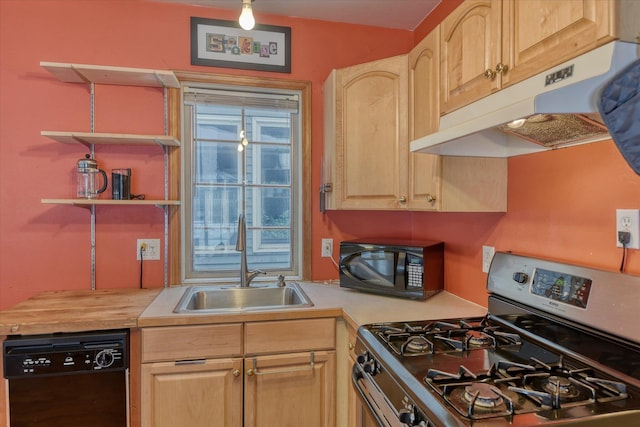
399,14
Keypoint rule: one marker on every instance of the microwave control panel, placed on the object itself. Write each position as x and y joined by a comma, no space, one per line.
414,272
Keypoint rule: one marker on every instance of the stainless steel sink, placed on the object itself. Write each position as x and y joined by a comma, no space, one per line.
212,299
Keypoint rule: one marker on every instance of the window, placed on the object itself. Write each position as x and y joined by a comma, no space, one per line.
223,178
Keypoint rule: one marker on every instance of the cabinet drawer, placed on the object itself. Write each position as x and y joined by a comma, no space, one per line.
290,335
191,342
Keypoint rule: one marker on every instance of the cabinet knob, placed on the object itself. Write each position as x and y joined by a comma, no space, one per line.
502,68
236,372
430,198
351,346
489,74
250,372
402,199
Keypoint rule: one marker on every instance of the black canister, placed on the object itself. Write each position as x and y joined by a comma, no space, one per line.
121,184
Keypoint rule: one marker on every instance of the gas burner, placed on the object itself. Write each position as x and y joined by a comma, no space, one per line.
479,339
481,400
483,395
561,386
416,344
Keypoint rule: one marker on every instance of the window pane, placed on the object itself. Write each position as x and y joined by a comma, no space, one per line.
217,163
268,164
215,215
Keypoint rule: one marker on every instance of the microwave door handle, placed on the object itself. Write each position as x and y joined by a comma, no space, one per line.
401,269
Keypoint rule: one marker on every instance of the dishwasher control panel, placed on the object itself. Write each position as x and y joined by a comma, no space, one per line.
55,354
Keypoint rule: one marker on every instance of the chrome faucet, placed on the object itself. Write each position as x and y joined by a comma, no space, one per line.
241,246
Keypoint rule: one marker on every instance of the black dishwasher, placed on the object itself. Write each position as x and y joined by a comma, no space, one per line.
71,379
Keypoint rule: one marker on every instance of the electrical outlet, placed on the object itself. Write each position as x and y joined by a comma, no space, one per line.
150,249
487,256
628,220
327,248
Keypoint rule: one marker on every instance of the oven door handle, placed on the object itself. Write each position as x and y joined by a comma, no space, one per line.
373,398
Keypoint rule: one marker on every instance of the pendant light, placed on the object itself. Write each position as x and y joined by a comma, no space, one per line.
246,20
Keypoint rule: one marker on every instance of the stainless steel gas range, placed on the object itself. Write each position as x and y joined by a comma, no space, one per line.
560,345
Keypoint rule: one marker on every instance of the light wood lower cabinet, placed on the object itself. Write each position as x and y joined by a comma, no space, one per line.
290,390
275,373
202,393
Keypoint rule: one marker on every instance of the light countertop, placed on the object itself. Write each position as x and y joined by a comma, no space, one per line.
329,300
74,311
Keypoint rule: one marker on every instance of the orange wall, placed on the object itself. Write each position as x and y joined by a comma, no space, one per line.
45,247
561,204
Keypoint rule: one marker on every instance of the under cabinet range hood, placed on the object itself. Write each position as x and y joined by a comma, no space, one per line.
553,109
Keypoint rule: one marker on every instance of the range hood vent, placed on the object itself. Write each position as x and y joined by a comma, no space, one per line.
553,109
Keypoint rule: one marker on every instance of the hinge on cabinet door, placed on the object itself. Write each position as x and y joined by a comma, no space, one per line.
324,189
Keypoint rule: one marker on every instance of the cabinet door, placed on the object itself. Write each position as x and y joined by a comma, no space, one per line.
371,142
470,45
204,393
539,34
289,391
424,118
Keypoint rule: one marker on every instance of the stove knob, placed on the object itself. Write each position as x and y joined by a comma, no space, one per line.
370,367
363,357
407,416
520,277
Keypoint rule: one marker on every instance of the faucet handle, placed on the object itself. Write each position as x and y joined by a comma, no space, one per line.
281,282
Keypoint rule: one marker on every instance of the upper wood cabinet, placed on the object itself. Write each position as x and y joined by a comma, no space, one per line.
366,143
371,112
445,184
424,115
470,45
489,44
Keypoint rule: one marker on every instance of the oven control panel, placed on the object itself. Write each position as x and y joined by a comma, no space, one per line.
563,287
584,295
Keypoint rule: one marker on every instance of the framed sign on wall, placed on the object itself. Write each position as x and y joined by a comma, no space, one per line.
218,43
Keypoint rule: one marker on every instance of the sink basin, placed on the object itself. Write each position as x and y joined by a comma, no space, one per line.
212,299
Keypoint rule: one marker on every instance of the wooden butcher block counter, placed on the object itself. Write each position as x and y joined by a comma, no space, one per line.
74,311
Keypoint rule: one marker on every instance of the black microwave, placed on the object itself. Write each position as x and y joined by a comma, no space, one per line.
400,268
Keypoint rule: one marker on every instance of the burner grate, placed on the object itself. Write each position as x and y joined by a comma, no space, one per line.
410,340
509,388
